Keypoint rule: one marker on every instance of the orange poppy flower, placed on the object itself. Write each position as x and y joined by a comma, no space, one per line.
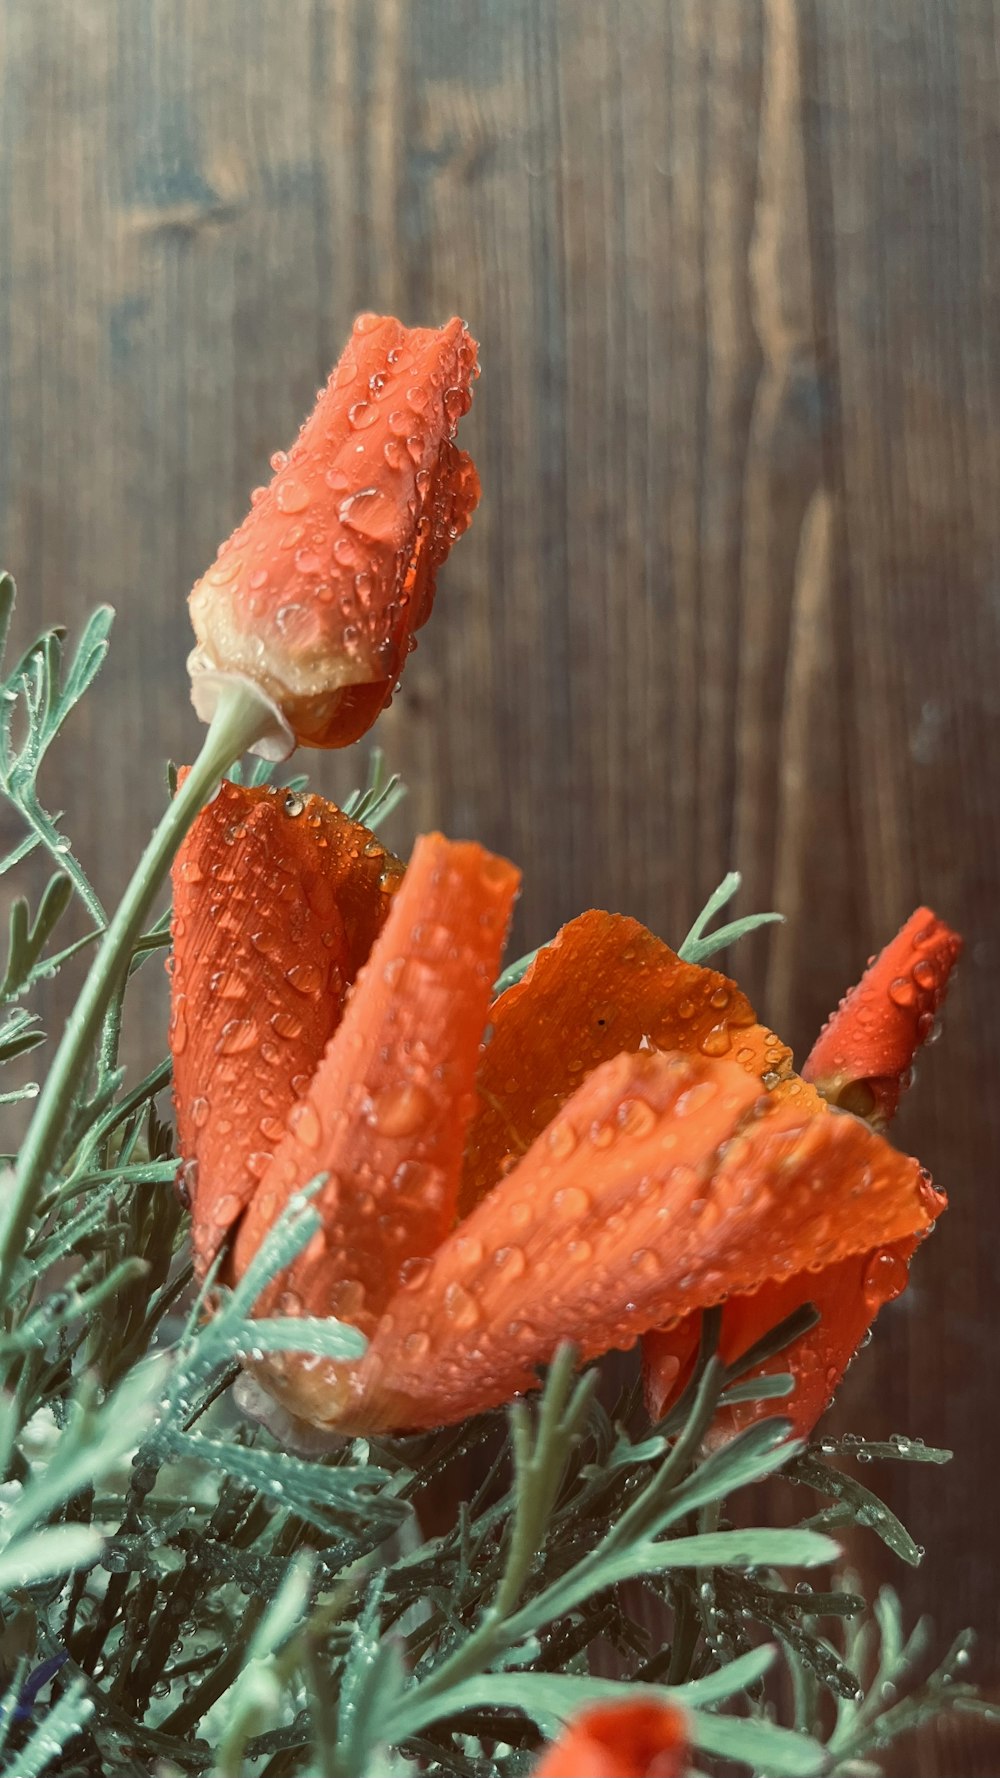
635,1145
317,595
638,1738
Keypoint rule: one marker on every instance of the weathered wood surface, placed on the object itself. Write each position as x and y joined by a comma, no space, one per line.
732,594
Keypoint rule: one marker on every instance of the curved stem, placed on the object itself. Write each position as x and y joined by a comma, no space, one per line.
241,717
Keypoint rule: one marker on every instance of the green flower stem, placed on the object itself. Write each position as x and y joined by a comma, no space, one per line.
240,719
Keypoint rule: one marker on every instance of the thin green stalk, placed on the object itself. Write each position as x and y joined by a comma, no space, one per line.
240,719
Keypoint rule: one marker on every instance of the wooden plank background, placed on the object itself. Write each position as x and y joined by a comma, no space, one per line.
733,593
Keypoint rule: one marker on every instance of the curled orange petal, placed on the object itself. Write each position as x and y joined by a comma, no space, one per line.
860,1061
605,985
385,1115
652,1193
862,1057
848,1296
317,596
277,902
638,1738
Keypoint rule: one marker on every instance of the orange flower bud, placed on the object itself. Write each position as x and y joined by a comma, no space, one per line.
639,1738
316,596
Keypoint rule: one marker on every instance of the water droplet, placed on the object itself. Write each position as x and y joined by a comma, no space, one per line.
562,1139
362,415
510,1261
902,991
236,1036
370,513
461,1307
186,1183
285,1024
571,1201
293,804
412,1272
222,572
395,453
925,974
636,1117
716,1042
308,562
279,460
304,1120
456,403
178,1030
646,1262
417,1345
306,978
402,1110
885,1276
199,1112
292,496
720,999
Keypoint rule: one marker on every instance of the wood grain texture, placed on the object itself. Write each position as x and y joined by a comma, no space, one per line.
732,596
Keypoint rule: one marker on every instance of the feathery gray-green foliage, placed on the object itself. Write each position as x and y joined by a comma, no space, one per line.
180,1595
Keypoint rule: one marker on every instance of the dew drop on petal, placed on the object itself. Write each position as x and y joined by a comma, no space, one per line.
571,1201
511,1262
885,1276
306,978
636,1117
412,1272
402,1110
292,496
237,1035
562,1139
362,415
461,1307
303,1119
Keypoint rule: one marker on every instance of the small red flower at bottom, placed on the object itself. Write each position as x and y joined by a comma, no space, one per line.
635,1739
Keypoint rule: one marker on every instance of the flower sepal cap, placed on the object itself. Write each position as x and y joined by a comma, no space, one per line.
316,597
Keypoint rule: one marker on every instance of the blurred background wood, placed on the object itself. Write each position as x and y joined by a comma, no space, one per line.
732,596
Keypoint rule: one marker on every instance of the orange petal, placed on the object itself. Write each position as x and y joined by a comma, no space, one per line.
848,1295
603,986
277,901
638,1738
861,1058
644,1199
317,595
861,1061
387,1111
